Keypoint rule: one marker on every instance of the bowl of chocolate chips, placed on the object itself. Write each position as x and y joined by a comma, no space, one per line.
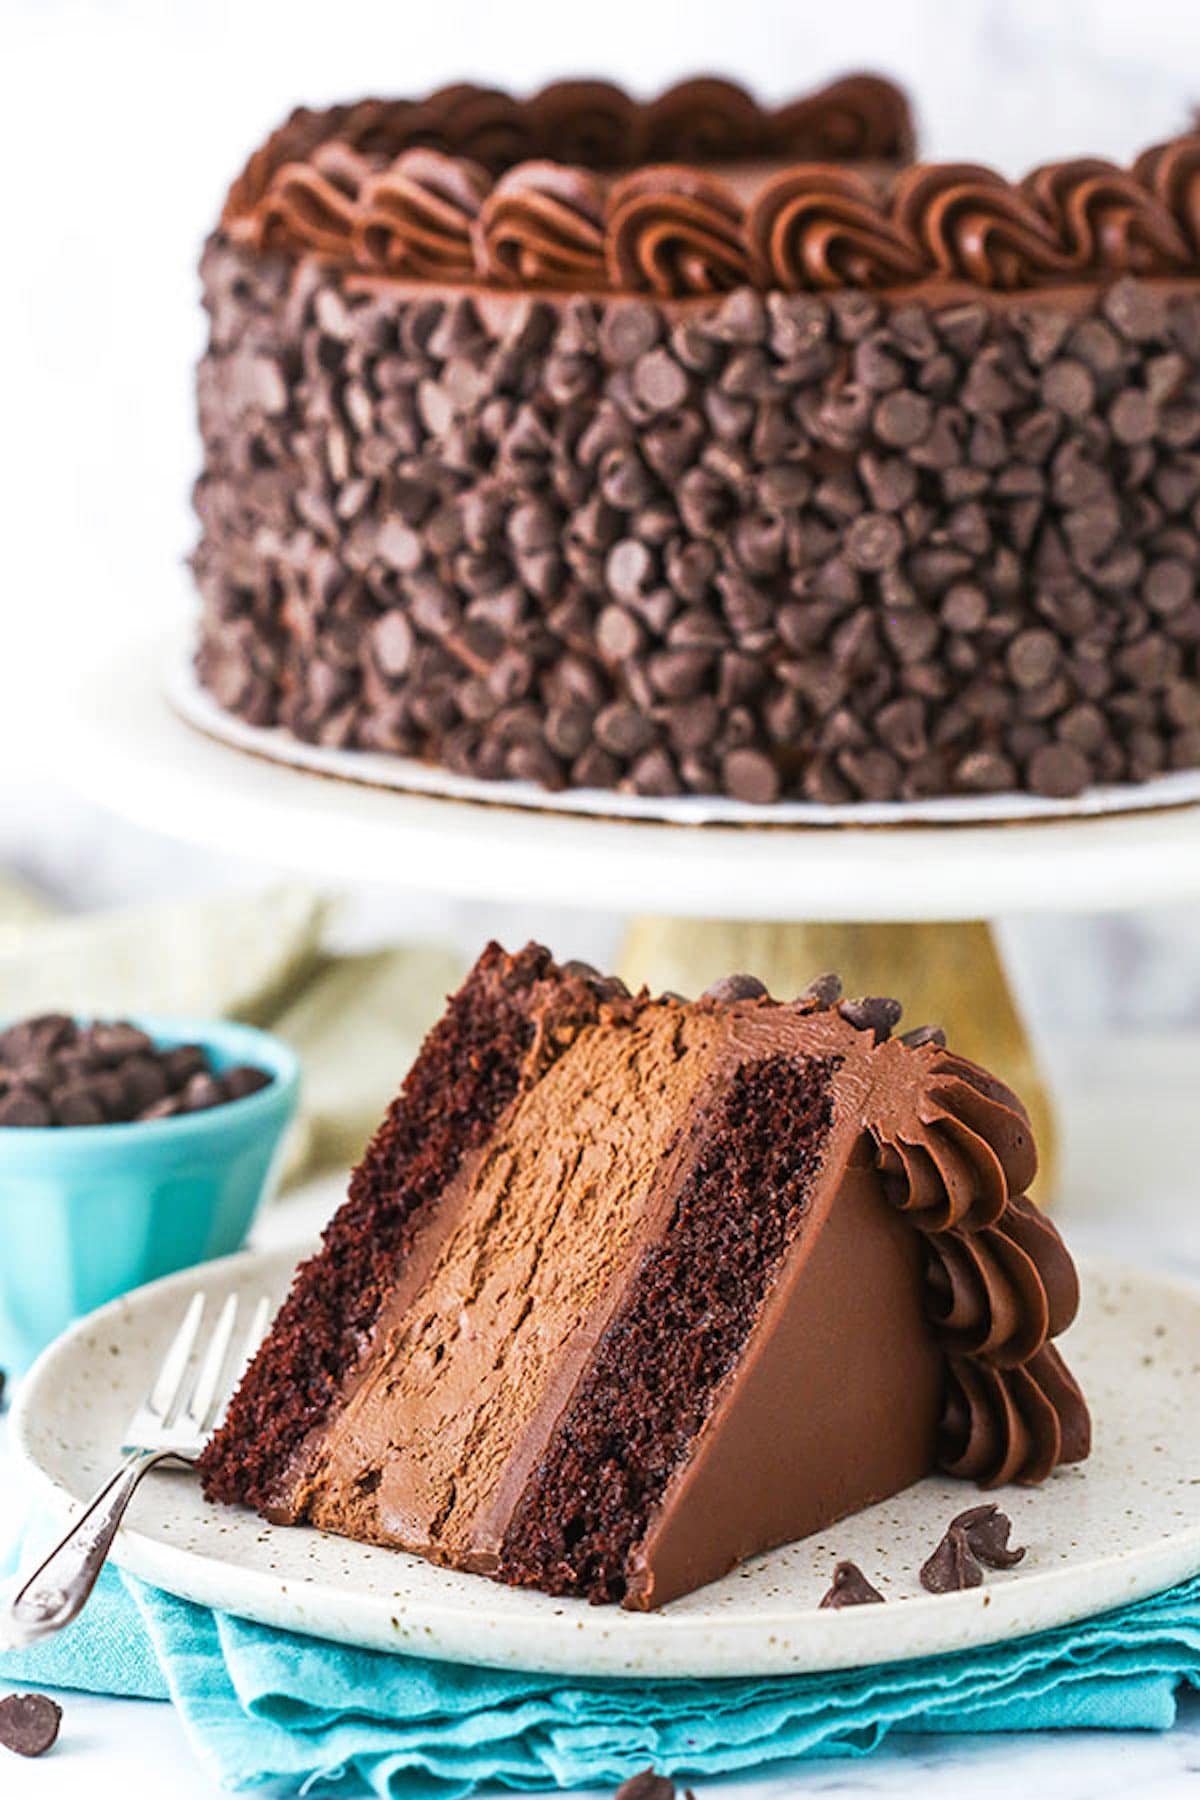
129,1148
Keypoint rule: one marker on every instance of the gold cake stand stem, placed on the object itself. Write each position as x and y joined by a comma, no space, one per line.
948,974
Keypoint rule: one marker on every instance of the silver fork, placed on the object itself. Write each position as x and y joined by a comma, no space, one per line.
172,1424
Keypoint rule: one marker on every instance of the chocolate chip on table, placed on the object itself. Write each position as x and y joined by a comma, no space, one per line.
850,1587
646,1785
29,1723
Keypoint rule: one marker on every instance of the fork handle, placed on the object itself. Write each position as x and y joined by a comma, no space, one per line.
59,1587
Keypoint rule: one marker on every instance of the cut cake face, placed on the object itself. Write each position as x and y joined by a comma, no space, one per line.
628,1289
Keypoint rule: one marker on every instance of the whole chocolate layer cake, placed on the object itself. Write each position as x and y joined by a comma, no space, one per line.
629,1289
691,447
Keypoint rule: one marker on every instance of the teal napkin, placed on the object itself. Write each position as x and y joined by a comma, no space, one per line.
262,1705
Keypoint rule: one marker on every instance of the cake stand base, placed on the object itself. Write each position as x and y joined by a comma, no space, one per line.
949,974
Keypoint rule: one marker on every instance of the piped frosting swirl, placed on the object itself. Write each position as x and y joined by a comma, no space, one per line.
583,187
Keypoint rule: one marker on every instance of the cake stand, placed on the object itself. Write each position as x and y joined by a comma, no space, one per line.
893,908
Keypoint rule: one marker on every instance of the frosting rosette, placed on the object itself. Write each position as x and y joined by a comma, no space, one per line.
973,225
1172,173
543,226
416,217
1107,218
703,120
956,1155
590,122
817,227
672,230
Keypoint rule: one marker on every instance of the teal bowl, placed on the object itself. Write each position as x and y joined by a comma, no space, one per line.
89,1211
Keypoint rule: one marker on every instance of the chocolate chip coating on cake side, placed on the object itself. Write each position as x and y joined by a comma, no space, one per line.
772,546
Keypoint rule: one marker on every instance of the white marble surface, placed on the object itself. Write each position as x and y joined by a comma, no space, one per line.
1130,1162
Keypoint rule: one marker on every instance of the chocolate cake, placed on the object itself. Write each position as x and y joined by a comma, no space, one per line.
628,1289
692,447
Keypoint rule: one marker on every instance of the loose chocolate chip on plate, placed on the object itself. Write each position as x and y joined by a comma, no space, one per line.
850,1587
29,1723
953,1565
987,1530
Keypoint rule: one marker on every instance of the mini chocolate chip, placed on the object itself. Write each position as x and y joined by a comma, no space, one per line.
623,730
243,1080
1058,771
646,1785
823,993
902,419
875,1013
627,330
735,987
874,541
1137,311
202,1091
1032,657
166,1108
952,1566
1069,387
987,1530
659,382
1133,417
392,643
920,1035
21,1107
29,1724
629,569
751,776
850,1587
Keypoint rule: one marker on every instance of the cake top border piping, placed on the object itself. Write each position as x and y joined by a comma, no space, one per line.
473,187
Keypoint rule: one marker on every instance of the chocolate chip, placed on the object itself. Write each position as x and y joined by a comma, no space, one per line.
874,541
167,1108
902,419
751,776
628,330
1058,771
823,993
874,1013
646,1785
659,382
623,730
1138,312
952,1566
1133,417
850,1587
243,1080
987,1531
21,1107
735,987
1069,387
922,1035
29,1724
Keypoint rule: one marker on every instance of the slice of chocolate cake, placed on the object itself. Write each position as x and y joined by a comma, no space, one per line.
628,1289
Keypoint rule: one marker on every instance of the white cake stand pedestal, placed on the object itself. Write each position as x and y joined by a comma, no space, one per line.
893,908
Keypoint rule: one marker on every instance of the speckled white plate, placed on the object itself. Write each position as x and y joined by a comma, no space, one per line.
1123,1525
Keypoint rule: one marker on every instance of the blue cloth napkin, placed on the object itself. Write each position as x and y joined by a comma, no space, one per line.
262,1705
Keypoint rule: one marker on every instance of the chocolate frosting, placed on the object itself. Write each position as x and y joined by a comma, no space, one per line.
581,187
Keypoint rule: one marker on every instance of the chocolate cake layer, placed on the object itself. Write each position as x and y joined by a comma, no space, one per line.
696,1279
